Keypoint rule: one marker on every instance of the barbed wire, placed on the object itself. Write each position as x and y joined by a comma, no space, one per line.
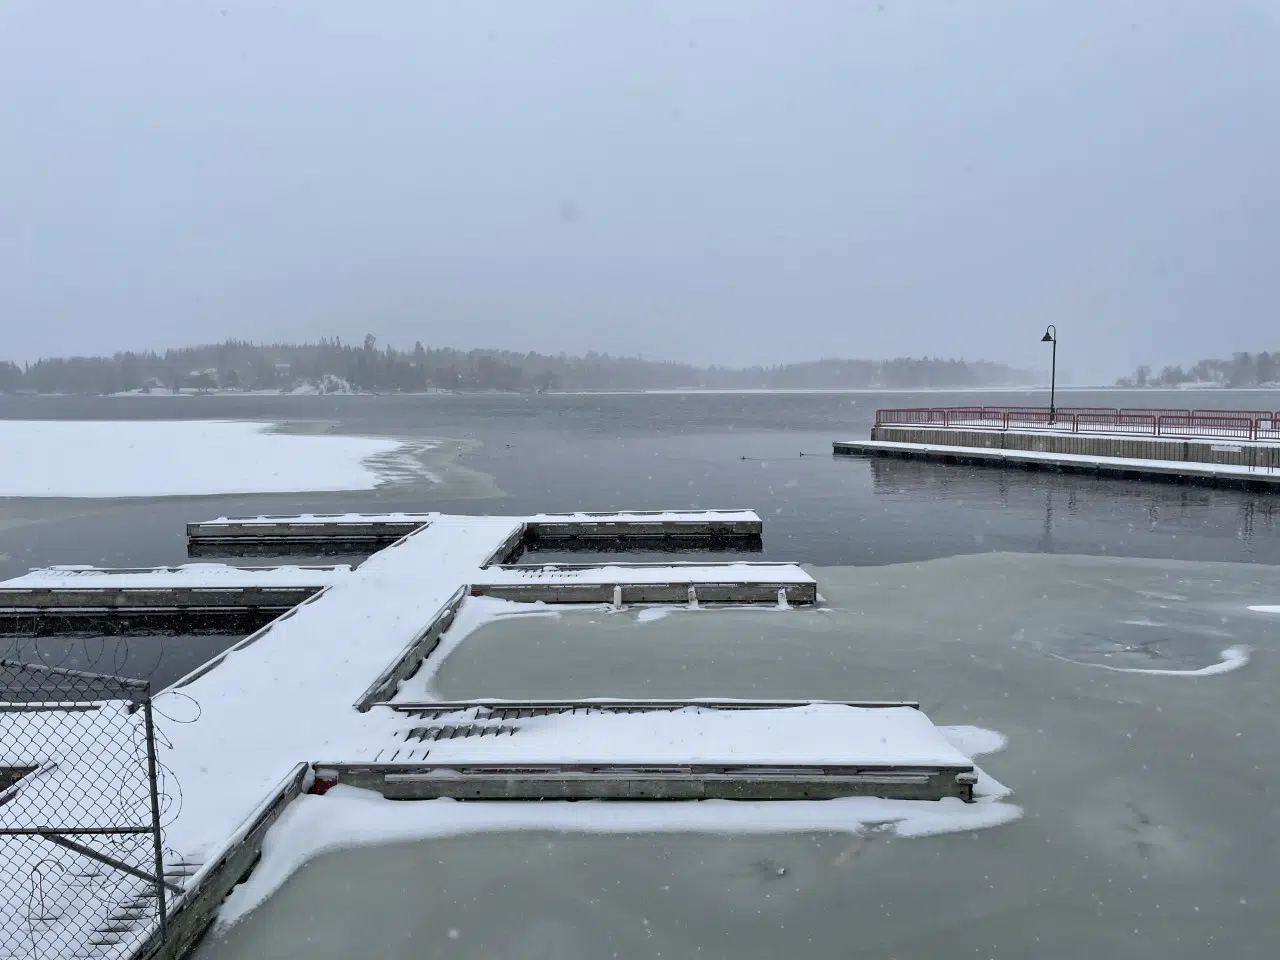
79,834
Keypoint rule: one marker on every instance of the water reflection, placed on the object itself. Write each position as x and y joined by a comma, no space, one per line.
1171,508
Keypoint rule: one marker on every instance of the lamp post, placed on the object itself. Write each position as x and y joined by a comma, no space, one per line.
1051,336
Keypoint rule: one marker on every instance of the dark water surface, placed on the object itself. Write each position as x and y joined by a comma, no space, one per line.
673,451
605,452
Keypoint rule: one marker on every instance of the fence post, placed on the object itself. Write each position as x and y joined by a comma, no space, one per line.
72,772
161,906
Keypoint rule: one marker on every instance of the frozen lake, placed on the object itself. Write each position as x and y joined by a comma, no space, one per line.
1145,832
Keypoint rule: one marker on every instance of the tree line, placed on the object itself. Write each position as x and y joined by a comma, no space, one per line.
1242,370
332,365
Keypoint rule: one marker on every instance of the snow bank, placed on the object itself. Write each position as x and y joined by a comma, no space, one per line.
169,458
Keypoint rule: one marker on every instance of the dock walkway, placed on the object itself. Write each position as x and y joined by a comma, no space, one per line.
316,690
1169,471
1238,448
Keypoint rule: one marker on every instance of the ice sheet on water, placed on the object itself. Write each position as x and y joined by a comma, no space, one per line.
882,633
165,458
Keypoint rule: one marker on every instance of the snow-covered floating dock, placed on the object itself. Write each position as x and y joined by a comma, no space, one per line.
265,532
68,599
313,700
660,750
72,598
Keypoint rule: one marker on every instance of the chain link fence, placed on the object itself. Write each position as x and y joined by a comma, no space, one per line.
81,856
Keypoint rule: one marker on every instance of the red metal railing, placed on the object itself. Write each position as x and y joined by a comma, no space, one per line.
1218,426
1127,422
1251,414
1138,421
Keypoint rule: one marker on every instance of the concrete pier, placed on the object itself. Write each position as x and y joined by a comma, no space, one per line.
1225,451
1167,471
1229,448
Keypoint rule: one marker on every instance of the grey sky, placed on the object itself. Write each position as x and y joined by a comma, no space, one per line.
728,180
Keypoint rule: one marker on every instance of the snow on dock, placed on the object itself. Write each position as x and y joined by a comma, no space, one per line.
59,600
322,658
664,752
581,516
319,661
639,525
815,733
191,575
620,583
387,527
317,686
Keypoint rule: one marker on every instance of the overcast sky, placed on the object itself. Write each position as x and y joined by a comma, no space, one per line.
731,181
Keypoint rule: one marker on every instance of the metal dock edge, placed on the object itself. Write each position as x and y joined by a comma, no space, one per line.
638,781
674,591
194,909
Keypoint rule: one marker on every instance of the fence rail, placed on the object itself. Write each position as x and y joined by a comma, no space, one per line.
1135,421
81,856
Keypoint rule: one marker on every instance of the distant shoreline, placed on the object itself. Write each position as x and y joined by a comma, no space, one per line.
682,391
659,392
